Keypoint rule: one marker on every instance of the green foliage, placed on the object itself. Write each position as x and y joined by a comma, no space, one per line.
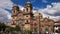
6,29
2,26
3,32
10,29
28,31
17,28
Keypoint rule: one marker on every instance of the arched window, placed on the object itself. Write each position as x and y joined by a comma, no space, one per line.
27,21
27,9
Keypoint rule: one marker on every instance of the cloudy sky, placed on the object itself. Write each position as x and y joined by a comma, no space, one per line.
49,8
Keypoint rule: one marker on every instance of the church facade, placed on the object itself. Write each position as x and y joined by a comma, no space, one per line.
28,20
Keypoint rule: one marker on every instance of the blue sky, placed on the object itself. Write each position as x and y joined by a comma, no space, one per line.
35,3
47,8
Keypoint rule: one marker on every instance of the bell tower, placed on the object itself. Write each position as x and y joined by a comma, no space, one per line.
28,14
15,10
28,10
28,7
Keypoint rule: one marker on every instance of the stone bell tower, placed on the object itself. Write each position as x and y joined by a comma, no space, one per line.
28,7
15,10
28,15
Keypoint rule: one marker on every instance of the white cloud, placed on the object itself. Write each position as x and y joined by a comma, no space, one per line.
21,7
6,4
52,10
5,16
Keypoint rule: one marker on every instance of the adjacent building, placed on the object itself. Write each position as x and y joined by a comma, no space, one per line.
57,27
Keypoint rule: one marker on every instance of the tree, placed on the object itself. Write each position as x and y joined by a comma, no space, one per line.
10,29
17,28
28,31
2,26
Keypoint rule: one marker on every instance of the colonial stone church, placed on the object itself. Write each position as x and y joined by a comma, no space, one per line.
28,20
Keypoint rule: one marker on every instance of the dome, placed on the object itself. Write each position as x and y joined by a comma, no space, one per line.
28,3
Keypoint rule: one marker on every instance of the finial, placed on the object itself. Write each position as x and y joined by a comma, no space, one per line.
28,1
